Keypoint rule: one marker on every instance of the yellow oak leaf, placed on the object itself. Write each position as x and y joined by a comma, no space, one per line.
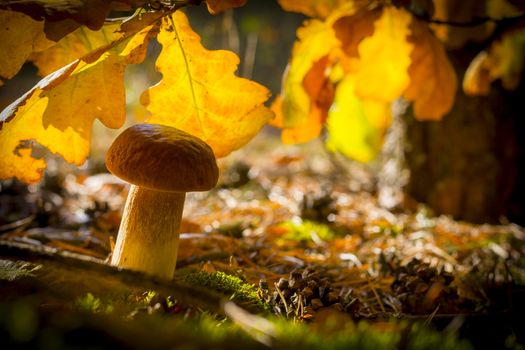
84,40
433,81
74,45
323,47
218,6
316,39
352,29
503,60
356,126
59,111
319,9
20,36
318,86
385,57
200,94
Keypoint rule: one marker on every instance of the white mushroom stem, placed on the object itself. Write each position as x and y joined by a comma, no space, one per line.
148,238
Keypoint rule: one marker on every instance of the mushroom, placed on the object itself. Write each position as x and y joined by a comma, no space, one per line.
162,164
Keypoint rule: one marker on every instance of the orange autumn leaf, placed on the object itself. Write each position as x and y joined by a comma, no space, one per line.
351,30
218,6
320,90
503,60
308,88
433,81
200,93
477,78
316,39
62,107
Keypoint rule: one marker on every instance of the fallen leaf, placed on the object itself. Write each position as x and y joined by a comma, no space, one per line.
61,108
218,6
433,81
200,94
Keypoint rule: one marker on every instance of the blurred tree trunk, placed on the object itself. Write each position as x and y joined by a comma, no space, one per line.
471,164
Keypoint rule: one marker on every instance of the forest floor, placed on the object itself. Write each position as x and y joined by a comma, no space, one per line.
298,239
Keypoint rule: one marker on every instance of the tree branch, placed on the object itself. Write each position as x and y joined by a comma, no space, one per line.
472,23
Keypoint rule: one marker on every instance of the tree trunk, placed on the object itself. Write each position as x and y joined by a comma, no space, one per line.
471,164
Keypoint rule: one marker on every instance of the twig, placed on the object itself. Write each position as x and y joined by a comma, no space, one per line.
475,21
283,299
376,295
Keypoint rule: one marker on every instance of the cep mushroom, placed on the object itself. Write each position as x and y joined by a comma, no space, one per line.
162,164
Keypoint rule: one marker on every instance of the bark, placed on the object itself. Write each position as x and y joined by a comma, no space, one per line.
470,164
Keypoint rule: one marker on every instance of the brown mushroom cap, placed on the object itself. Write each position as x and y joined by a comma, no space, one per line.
162,158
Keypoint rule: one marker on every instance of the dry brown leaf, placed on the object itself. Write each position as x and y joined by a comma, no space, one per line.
91,13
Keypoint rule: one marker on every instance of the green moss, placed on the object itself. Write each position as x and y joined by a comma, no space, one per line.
92,304
307,230
365,335
236,289
25,324
14,270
